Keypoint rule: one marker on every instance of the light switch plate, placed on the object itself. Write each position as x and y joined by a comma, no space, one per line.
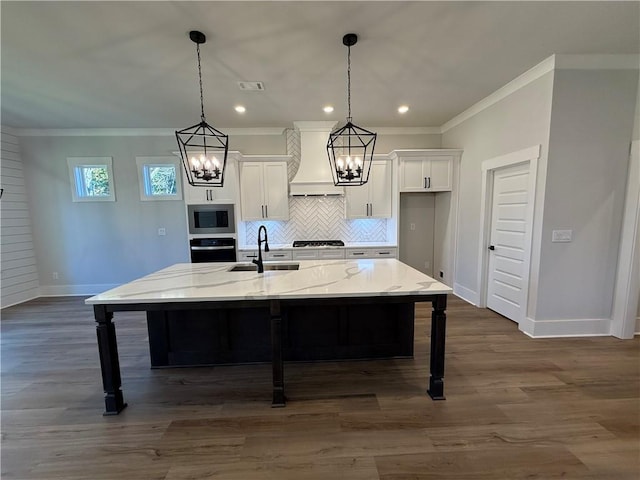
562,235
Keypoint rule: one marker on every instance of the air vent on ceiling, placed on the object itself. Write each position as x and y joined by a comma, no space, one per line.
252,86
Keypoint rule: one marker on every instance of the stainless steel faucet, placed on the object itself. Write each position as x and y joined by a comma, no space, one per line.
258,262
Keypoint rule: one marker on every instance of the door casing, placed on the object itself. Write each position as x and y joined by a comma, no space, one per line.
529,156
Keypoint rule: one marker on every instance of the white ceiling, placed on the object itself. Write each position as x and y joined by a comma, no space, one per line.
131,64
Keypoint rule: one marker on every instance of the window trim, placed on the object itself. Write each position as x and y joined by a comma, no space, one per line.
143,178
76,163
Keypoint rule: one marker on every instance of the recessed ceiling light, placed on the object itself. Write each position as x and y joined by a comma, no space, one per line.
328,109
240,109
403,109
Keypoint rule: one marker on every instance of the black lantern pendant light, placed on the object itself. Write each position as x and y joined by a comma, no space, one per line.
350,147
203,148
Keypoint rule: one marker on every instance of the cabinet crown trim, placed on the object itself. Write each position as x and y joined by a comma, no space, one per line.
264,158
397,154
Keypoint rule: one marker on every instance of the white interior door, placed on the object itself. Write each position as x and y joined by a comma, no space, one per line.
508,243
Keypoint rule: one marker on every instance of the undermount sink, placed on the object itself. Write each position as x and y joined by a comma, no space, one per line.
267,266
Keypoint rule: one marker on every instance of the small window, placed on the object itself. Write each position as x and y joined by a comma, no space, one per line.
91,179
159,178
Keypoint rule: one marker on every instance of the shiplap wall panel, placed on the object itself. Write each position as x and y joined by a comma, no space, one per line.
19,274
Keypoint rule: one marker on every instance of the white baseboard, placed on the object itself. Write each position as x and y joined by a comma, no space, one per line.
21,297
70,290
581,327
465,294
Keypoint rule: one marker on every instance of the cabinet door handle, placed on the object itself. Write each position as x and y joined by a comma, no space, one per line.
371,209
357,253
425,182
206,192
262,208
428,182
266,211
278,255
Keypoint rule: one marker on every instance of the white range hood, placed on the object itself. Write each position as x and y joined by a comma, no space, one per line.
314,174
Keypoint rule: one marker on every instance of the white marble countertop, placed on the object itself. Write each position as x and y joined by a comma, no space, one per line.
194,282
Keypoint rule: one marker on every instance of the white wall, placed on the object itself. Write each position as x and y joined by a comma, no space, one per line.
591,127
417,246
386,142
515,122
95,245
17,254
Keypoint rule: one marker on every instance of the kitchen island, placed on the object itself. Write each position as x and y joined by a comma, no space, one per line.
202,288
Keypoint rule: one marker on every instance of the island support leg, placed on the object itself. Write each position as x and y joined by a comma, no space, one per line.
109,362
438,330
279,399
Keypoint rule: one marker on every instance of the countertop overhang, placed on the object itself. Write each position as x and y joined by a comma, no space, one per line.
213,282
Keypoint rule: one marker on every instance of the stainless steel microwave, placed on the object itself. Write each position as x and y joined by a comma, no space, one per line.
211,218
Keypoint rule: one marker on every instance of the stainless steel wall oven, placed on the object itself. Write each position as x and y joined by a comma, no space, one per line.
212,250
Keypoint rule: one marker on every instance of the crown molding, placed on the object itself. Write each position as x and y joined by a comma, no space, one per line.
9,130
132,132
407,130
544,67
168,132
598,62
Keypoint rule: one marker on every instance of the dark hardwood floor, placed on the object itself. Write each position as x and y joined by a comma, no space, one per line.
516,408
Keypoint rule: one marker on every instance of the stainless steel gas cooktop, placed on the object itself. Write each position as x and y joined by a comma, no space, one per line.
318,243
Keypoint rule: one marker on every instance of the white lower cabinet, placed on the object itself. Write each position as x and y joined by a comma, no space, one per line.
355,253
318,254
247,255
277,255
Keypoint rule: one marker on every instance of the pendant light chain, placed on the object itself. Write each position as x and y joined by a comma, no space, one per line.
200,77
203,148
349,81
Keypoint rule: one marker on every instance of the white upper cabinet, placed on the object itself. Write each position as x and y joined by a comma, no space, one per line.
228,193
373,199
426,170
264,190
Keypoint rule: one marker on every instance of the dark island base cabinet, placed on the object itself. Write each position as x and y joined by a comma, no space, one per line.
309,333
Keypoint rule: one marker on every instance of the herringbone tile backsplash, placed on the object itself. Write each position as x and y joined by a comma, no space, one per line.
316,218
319,218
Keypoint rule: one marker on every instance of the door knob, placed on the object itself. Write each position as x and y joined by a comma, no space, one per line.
491,247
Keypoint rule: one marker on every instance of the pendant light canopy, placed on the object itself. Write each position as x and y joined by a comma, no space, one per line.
350,148
202,147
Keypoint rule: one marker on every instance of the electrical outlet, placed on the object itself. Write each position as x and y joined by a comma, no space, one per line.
412,226
162,231
55,275
561,235
441,274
